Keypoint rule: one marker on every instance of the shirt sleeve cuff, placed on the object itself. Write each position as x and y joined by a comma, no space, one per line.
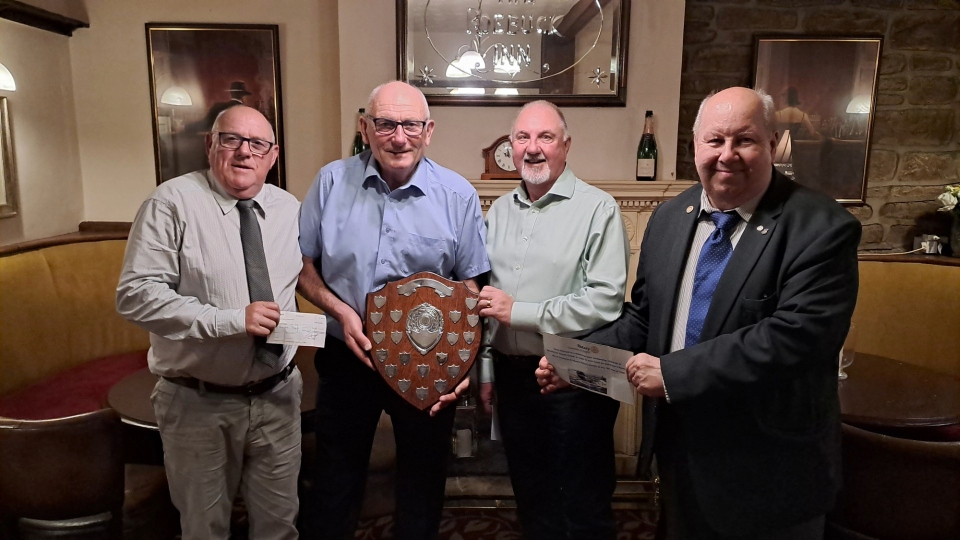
486,369
524,317
231,322
666,395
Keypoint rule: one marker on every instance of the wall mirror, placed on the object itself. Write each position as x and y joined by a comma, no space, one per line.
8,168
509,52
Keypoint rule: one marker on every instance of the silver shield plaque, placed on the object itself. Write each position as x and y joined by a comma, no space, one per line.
424,327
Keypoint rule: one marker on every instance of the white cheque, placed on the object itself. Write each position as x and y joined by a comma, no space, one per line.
307,329
597,368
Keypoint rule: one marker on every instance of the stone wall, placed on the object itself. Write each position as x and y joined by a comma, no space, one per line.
914,143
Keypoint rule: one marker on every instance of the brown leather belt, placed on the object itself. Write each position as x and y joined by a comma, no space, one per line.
250,389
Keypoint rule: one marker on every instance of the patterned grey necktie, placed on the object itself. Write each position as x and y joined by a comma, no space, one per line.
258,276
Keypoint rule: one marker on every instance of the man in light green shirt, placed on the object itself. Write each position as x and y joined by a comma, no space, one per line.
558,255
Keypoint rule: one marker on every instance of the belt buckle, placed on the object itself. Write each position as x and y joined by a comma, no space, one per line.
248,389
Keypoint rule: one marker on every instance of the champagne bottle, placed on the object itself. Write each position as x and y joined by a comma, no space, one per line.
358,144
647,151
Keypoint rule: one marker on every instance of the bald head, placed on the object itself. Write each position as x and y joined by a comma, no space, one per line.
393,89
733,144
239,171
397,153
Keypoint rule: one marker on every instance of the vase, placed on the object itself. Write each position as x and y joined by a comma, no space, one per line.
955,235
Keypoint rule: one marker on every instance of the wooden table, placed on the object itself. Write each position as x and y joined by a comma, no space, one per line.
884,393
131,396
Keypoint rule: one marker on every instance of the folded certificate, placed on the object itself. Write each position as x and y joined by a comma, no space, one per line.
307,329
597,368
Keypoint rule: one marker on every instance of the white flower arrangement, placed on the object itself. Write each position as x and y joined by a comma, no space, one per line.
950,198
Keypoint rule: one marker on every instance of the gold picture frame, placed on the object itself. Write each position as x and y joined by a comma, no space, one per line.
9,203
824,90
199,70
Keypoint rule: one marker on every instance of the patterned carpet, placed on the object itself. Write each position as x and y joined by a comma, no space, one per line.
501,524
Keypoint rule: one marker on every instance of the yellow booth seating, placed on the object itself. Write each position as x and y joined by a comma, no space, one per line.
62,343
909,310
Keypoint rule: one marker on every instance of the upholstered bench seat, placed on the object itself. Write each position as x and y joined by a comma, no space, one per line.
77,390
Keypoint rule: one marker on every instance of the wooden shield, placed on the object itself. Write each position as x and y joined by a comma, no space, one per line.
425,332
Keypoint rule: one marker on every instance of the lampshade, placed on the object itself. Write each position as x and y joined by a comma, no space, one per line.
176,95
860,104
6,79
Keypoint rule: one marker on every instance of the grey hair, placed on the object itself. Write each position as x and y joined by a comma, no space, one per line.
769,110
216,121
373,97
549,105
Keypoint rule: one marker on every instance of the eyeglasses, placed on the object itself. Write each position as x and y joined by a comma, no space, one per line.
385,126
233,141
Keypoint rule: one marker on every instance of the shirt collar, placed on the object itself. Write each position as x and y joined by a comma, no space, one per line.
226,201
745,210
417,180
562,188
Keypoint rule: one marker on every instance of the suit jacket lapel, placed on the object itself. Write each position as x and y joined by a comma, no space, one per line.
751,244
688,210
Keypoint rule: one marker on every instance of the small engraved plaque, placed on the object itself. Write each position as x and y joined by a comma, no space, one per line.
423,370
403,385
472,319
381,355
440,385
376,317
452,338
396,336
469,337
378,336
379,301
395,315
404,358
455,316
390,370
464,355
453,371
422,393
441,358
471,302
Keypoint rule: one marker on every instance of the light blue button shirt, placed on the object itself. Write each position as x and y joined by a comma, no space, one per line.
362,235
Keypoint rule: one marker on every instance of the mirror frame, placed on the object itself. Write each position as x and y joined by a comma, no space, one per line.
8,168
619,99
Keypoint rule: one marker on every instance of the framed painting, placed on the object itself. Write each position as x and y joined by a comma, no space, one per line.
8,169
824,92
200,70
509,52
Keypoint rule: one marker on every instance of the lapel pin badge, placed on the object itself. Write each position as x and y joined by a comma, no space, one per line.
689,209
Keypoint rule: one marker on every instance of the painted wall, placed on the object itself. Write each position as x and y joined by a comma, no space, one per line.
604,138
111,90
43,123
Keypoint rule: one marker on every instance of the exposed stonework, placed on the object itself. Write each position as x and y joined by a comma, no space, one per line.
929,168
938,90
731,18
914,140
926,32
921,62
844,22
914,127
883,164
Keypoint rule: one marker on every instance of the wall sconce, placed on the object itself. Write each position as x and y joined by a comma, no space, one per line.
463,65
6,79
860,104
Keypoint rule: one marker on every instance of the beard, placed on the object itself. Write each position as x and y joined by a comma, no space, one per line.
536,176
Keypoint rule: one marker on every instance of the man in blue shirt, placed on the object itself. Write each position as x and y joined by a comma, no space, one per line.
380,216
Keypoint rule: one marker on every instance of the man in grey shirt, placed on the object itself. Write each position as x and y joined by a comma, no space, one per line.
227,404
558,256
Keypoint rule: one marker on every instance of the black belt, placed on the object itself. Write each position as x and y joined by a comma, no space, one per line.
249,389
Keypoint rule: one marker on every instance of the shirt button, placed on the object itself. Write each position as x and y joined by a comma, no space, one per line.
516,267
383,261
524,238
386,230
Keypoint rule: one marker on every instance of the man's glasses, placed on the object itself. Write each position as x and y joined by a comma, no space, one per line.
233,141
385,126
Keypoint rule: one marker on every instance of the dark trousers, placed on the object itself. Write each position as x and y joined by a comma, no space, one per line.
349,402
560,452
680,515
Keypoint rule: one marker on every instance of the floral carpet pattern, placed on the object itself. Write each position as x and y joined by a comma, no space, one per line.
501,524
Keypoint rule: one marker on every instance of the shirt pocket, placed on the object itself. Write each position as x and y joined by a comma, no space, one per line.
426,254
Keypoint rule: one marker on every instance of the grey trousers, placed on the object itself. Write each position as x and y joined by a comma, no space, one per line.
215,445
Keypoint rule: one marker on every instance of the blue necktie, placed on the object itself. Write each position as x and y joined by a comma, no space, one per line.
713,259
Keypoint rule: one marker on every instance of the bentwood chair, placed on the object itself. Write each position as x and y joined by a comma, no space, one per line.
897,489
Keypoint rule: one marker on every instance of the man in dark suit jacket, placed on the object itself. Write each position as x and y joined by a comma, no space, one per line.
743,415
